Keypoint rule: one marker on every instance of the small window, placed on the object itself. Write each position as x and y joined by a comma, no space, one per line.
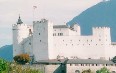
58,34
40,40
92,64
76,64
39,33
29,43
99,39
54,34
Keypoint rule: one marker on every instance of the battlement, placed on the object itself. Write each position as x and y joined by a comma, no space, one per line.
101,27
41,21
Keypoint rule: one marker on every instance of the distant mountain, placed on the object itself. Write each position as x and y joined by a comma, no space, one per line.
102,14
6,52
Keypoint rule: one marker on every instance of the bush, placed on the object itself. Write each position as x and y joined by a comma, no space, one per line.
87,71
103,70
4,66
17,68
22,59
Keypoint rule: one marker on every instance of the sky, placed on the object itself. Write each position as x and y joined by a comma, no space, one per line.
57,11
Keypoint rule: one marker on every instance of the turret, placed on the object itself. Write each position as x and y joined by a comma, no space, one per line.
20,32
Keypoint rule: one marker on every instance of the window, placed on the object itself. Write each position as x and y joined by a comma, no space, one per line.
40,40
39,33
76,64
92,64
58,34
70,64
29,43
82,64
77,71
54,34
99,39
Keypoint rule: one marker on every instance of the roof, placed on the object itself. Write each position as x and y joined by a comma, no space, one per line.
53,61
89,61
60,26
75,61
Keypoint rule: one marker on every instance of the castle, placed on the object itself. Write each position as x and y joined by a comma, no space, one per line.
44,41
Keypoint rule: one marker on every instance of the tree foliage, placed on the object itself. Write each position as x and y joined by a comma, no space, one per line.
87,71
22,58
103,70
17,68
114,59
3,66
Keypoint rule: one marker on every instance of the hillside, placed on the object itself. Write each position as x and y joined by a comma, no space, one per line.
6,52
102,14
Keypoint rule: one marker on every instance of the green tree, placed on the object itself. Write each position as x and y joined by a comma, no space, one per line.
87,71
22,59
103,70
4,66
114,59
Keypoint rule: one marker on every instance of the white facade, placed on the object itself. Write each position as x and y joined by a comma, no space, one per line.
50,41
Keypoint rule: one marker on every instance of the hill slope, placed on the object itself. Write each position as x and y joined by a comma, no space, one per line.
102,14
6,52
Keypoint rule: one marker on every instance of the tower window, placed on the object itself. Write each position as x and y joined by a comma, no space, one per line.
99,39
40,40
58,34
39,33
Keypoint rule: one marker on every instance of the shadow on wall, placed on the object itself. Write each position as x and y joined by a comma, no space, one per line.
61,69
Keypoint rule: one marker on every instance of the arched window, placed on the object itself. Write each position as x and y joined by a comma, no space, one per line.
77,71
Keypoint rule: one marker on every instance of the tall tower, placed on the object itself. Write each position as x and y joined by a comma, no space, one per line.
43,40
20,32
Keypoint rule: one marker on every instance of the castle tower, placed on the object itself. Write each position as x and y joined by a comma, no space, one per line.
20,32
43,40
